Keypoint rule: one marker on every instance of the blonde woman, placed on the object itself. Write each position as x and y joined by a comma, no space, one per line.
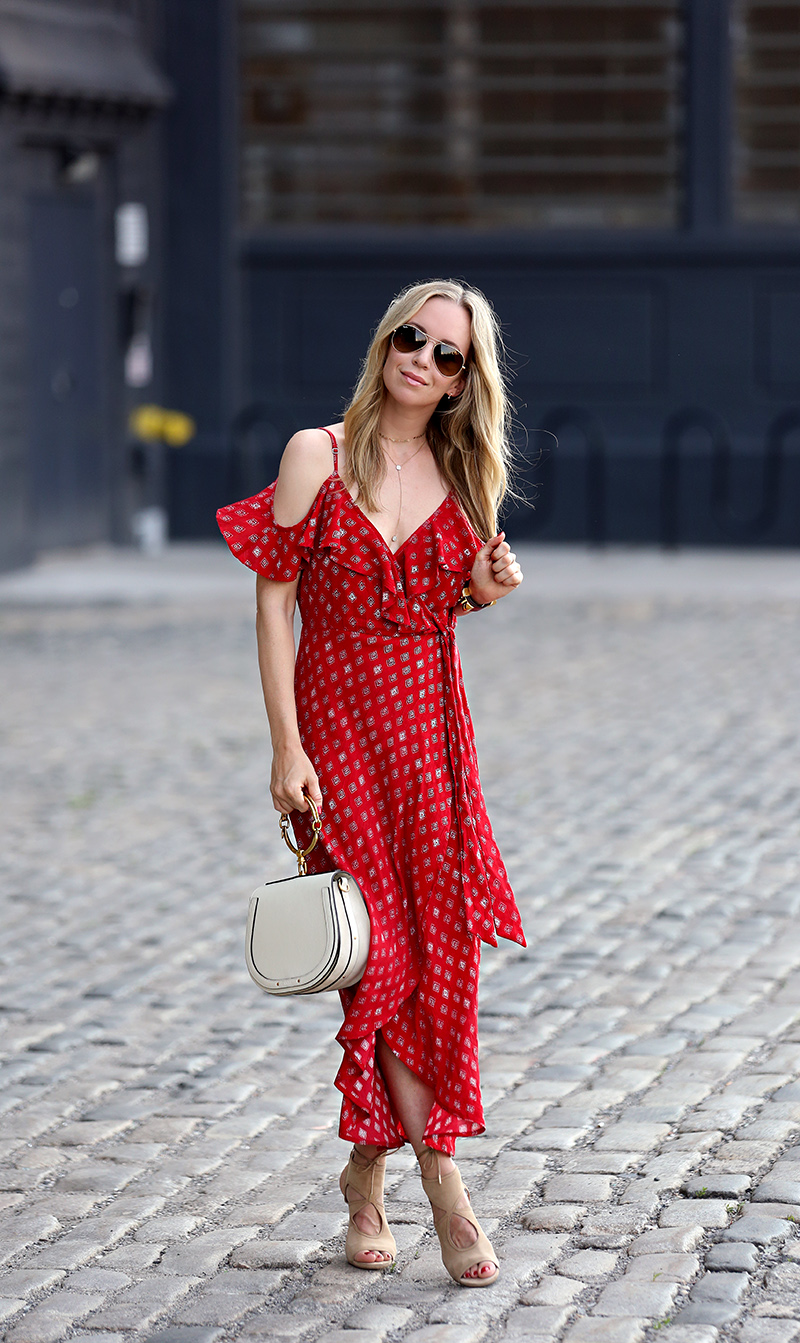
384,529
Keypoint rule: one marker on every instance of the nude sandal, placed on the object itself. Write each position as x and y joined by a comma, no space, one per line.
367,1181
445,1194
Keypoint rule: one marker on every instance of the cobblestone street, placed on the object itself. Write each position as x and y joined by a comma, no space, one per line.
168,1152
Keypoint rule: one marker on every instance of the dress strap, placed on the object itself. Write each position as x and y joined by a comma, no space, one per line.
334,447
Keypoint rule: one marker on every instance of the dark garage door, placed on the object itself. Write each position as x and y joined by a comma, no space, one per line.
68,478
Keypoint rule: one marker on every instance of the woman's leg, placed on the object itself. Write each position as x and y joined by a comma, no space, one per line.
412,1101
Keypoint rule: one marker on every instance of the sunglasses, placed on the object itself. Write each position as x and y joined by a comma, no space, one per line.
410,340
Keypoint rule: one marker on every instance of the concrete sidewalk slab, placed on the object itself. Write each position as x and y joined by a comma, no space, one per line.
206,572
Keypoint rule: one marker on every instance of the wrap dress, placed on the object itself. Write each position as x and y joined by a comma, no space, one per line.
384,720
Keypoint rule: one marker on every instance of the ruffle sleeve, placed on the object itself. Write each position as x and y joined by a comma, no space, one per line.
257,540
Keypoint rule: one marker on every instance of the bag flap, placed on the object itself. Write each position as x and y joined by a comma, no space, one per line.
290,928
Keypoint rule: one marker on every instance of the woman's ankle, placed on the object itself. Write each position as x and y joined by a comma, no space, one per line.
366,1153
434,1164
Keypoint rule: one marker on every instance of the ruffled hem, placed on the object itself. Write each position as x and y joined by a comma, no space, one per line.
367,1115
394,1002
378,1125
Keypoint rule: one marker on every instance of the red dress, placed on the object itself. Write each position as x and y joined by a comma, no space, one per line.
384,720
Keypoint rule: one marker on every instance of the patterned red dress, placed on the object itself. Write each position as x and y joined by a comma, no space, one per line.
384,719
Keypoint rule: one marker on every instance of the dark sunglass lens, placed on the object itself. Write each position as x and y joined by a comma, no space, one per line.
448,360
406,339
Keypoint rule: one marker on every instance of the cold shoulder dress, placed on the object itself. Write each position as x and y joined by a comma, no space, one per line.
384,720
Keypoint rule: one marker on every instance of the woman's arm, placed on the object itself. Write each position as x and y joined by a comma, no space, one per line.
292,771
305,465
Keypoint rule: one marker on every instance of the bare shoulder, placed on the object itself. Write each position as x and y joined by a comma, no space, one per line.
306,463
308,453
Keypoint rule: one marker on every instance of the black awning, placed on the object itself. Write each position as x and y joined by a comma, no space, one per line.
54,50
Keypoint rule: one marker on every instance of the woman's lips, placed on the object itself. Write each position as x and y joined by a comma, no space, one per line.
412,377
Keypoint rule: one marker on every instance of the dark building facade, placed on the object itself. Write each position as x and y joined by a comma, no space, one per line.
79,95
622,179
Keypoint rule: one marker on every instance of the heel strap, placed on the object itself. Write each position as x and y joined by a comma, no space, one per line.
423,1155
365,1163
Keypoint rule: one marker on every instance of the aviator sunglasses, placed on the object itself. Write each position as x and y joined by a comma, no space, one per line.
410,340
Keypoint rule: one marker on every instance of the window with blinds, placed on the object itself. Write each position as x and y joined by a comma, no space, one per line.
767,82
517,113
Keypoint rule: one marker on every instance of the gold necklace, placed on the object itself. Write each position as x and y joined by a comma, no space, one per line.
387,439
398,466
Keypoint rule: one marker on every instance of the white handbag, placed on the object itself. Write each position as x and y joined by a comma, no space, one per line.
307,933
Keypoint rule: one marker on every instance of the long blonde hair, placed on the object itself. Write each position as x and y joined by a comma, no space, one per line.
470,441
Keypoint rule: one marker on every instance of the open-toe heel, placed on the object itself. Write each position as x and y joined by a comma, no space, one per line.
367,1183
449,1198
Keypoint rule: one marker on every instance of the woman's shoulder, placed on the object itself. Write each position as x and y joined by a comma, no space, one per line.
309,452
306,464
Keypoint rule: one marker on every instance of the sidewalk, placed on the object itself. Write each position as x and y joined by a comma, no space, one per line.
168,1149
191,573
205,571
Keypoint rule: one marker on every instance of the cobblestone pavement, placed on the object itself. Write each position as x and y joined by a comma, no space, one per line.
168,1149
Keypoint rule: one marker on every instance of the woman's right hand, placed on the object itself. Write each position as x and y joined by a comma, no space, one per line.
294,776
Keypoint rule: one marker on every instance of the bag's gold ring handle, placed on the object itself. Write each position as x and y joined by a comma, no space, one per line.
316,826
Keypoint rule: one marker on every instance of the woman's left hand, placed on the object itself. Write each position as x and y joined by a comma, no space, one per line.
495,572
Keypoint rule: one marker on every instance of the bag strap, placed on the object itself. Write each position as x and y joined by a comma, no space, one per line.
302,854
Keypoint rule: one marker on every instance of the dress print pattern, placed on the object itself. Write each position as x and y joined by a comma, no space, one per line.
384,719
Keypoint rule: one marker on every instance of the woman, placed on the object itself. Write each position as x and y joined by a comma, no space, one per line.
383,528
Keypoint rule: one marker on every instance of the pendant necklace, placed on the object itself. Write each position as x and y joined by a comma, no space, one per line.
398,466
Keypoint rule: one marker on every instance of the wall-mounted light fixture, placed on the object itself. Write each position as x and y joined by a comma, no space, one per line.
132,234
